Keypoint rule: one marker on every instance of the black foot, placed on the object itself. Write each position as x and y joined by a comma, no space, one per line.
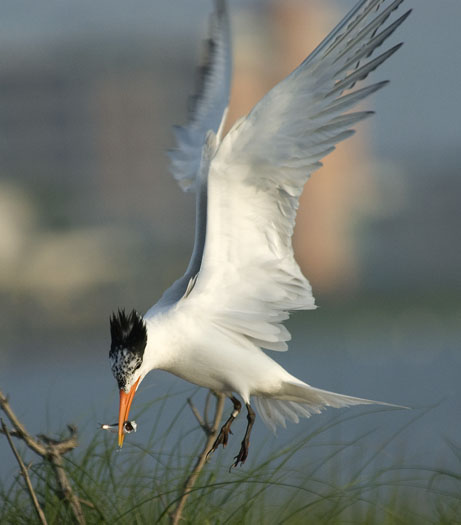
241,457
223,437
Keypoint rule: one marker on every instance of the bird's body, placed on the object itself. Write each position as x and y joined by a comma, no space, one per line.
192,354
210,327
195,349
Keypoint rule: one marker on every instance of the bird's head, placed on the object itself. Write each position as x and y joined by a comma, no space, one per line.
129,340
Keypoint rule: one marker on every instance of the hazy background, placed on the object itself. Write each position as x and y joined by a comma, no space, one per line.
91,220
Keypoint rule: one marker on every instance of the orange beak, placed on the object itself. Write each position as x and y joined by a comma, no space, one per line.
125,404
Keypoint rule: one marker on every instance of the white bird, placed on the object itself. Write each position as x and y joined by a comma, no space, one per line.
211,326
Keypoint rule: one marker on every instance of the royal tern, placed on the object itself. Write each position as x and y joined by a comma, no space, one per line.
211,326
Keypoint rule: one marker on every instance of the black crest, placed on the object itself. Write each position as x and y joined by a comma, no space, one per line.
128,332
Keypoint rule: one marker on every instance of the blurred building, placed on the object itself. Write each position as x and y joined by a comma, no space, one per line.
45,122
84,125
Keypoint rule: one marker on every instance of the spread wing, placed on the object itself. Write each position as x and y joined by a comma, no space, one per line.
249,279
207,113
207,107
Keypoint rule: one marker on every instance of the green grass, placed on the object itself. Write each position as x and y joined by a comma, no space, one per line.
346,483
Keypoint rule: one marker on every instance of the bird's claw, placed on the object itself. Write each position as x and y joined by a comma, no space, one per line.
241,457
222,439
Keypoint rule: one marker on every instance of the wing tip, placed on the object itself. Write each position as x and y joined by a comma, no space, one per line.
220,7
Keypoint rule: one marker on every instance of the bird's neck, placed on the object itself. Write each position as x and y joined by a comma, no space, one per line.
160,352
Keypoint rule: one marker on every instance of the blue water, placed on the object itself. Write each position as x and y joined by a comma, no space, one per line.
417,366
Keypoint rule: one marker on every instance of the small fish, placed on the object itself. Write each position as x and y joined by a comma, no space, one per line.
128,427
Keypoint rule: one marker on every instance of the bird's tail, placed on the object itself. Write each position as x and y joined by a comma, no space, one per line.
297,400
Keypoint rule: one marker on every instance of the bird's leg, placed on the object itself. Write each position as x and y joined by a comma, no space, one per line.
243,454
223,435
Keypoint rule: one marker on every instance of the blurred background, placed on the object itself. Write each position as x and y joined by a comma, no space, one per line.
91,220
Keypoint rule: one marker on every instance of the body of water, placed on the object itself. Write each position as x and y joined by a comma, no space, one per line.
411,358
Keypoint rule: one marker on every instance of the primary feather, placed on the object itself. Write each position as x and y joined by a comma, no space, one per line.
208,105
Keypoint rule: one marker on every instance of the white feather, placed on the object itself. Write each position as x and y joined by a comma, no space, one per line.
208,106
243,279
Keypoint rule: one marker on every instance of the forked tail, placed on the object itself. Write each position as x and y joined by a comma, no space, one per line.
301,400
